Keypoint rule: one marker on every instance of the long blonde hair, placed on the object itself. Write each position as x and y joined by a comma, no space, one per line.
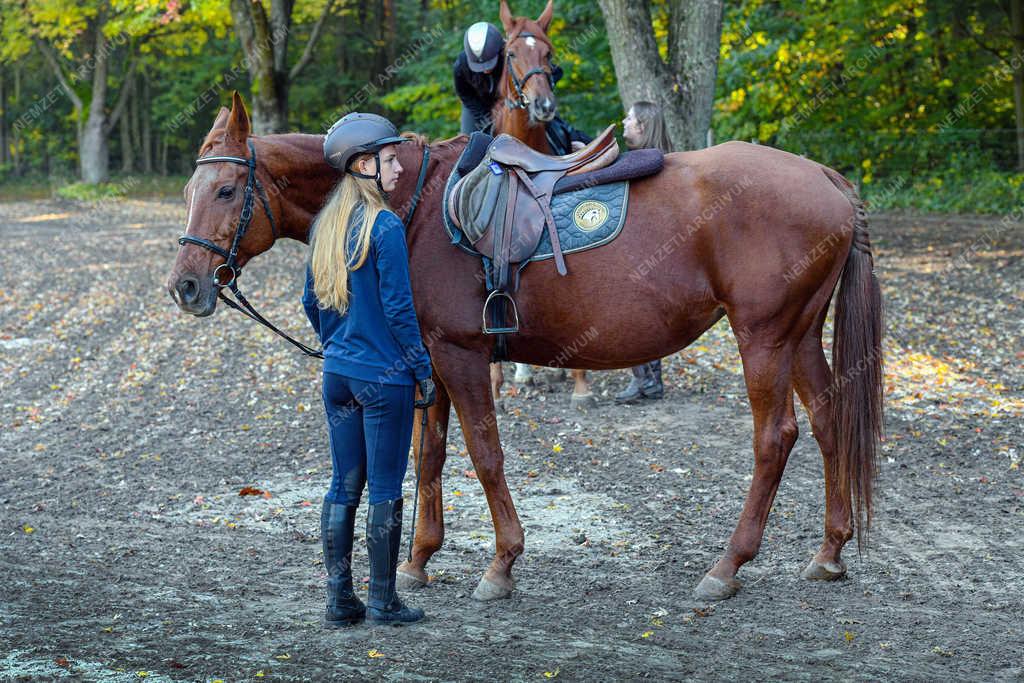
332,232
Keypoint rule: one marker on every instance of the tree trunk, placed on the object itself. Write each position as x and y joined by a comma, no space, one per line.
15,150
127,145
254,34
147,135
693,56
132,116
127,156
1017,20
685,86
390,31
265,44
163,154
3,116
280,30
93,155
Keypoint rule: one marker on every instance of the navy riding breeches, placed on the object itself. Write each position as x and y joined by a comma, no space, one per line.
370,427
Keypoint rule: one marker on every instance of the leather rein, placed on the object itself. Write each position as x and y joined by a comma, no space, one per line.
254,188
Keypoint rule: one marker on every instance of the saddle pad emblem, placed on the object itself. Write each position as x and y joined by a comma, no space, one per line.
590,215
495,168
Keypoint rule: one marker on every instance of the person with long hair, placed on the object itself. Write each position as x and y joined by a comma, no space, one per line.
644,127
358,298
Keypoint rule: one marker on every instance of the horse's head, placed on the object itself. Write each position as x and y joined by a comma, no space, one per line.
527,80
216,197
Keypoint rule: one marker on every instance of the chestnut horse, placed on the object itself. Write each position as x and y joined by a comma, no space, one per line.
526,99
739,230
526,103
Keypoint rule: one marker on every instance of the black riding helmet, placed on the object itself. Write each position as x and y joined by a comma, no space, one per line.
482,44
359,133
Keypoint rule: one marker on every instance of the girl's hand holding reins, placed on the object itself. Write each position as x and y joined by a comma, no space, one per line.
428,393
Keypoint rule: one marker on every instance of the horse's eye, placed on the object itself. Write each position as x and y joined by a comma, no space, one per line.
512,55
226,192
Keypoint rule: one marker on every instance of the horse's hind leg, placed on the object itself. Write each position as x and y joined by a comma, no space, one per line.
582,396
812,379
430,521
767,369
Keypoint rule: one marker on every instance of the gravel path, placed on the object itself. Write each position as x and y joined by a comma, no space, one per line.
127,431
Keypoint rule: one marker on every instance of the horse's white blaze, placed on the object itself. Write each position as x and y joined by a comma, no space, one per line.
531,42
188,218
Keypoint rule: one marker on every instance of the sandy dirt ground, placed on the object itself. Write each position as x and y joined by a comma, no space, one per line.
127,431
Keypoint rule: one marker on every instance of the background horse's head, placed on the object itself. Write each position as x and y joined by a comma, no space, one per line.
215,195
527,79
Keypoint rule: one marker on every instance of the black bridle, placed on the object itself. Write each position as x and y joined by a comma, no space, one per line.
518,84
254,188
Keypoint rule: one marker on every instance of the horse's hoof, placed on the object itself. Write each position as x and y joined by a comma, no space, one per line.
410,578
488,590
583,401
713,589
824,571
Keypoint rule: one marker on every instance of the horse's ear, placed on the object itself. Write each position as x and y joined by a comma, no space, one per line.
238,126
544,20
222,119
507,20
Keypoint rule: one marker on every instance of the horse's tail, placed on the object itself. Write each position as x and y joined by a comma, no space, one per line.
857,386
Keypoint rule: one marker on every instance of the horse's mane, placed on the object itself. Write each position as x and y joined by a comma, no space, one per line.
424,141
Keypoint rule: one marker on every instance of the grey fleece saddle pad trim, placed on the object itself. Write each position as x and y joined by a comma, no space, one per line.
585,218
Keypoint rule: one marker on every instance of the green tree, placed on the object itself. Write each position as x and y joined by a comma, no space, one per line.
83,43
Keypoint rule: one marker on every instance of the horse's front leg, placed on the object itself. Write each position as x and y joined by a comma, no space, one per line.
430,520
466,375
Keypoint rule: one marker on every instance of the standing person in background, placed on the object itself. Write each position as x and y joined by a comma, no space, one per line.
358,298
644,127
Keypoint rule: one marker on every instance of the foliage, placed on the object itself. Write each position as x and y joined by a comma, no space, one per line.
879,89
90,192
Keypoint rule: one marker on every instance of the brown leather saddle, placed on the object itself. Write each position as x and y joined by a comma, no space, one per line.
504,205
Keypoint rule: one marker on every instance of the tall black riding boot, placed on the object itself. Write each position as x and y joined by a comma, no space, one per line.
633,392
383,538
337,523
653,386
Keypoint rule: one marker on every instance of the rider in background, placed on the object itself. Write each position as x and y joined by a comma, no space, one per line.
643,127
478,71
358,298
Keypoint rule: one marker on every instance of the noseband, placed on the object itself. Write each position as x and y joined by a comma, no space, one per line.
518,84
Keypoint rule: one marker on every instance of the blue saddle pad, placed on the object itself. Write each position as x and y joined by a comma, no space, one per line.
585,218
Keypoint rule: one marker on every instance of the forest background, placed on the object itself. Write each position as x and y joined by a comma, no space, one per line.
918,101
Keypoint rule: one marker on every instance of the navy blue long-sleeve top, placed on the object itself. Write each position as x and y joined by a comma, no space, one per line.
378,338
